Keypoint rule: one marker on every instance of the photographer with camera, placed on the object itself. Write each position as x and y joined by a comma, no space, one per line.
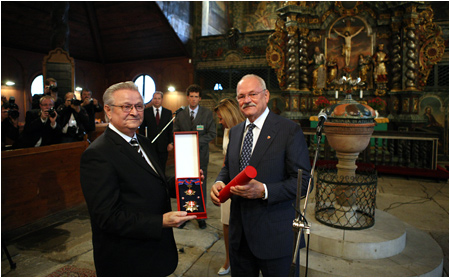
73,118
41,126
10,123
51,89
92,106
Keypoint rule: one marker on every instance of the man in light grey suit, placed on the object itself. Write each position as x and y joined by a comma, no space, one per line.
200,119
261,235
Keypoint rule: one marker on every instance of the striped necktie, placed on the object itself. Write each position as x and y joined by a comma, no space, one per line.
134,143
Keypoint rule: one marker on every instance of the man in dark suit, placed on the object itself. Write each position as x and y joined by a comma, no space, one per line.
127,194
41,128
155,119
73,118
200,119
261,235
92,106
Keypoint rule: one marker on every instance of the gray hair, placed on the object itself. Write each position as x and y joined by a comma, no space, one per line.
260,80
108,96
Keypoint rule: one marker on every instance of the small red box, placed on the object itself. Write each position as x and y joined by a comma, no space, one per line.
187,174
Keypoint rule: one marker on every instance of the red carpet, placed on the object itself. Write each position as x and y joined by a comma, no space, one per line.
72,271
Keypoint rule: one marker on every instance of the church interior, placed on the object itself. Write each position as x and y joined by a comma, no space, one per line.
388,60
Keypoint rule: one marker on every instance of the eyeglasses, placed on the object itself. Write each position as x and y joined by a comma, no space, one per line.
251,95
127,107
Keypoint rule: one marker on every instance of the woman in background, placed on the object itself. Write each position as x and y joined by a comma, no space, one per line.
229,115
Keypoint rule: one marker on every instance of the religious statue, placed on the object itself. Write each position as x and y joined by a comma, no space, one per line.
332,68
363,69
347,47
379,59
319,74
233,36
295,103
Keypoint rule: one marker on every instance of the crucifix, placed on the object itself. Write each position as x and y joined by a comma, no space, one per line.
346,33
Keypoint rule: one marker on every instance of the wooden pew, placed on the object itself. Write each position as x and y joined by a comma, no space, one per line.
37,182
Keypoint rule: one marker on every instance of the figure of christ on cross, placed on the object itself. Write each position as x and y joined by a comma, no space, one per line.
347,47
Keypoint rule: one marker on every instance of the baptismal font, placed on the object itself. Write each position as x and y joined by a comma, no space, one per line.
341,201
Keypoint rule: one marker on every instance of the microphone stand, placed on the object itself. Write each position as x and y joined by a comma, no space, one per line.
173,118
300,224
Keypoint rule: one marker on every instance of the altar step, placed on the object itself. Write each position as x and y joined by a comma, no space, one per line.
389,248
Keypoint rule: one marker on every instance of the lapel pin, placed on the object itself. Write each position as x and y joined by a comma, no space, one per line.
268,137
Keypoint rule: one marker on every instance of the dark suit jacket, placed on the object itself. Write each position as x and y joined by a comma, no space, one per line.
279,152
91,109
152,129
82,119
126,201
35,129
204,118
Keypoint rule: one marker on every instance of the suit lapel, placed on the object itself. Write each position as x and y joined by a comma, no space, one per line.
265,139
126,149
234,151
152,157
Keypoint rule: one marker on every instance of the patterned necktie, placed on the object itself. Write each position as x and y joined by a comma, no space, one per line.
134,143
192,116
157,116
246,152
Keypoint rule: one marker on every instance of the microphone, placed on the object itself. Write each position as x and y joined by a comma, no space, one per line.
179,110
322,118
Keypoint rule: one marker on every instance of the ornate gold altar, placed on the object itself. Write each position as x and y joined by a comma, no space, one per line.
391,46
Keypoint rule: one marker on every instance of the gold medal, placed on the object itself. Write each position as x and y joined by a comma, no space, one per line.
191,206
189,192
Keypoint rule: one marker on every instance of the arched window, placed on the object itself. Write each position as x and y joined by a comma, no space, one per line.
146,86
37,86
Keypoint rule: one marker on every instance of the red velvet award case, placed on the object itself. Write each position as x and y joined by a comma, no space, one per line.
187,174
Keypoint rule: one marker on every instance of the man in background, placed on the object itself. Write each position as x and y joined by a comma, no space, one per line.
155,119
10,123
197,118
51,89
73,119
92,106
41,126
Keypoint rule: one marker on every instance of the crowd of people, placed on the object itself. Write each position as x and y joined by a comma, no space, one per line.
52,120
123,175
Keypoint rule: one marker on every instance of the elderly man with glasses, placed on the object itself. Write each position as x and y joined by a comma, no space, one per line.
261,235
128,195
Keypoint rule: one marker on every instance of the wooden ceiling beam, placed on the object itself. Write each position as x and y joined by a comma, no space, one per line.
95,31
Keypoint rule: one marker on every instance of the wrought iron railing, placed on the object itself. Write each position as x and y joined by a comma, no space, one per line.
387,148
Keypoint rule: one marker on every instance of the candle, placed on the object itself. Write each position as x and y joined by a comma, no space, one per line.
337,94
360,94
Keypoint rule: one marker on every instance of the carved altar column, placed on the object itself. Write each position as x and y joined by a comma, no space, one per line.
410,49
303,59
292,54
396,57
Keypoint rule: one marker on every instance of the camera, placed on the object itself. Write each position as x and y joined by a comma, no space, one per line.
13,111
76,99
14,114
53,88
51,112
12,103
